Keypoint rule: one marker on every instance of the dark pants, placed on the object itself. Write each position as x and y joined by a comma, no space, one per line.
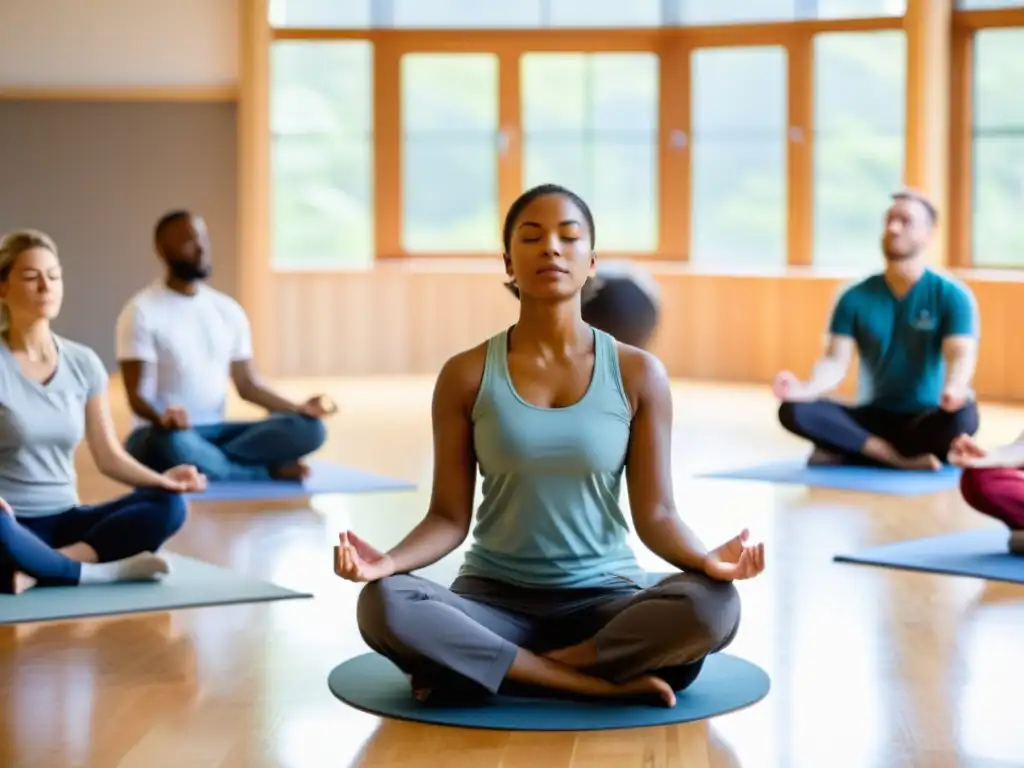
241,450
139,522
843,429
462,641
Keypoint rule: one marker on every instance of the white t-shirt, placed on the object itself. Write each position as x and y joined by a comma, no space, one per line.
190,342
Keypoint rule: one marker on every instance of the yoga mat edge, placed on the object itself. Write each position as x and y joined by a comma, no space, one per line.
325,478
879,480
975,554
192,584
372,684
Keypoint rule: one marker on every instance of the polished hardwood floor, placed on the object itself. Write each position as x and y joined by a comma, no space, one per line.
870,667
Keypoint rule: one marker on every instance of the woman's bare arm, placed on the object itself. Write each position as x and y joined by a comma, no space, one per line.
108,453
649,465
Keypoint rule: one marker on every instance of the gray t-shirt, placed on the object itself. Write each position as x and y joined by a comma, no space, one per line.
41,425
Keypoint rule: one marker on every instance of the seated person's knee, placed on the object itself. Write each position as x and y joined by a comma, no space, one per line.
308,433
709,609
966,420
975,487
173,446
721,619
375,607
789,415
168,510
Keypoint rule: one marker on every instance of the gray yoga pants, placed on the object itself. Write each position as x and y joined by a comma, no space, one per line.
469,635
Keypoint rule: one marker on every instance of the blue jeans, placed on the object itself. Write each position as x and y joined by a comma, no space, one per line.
231,450
139,522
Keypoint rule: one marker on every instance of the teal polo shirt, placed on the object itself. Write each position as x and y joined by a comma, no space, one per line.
899,341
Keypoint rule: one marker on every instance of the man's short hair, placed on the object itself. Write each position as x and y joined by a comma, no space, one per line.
917,197
167,220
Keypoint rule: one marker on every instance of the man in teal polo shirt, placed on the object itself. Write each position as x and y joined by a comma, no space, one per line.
916,333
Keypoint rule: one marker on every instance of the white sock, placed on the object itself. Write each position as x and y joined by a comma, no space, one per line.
1017,542
142,567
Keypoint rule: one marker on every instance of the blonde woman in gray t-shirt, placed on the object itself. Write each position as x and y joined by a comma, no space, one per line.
53,393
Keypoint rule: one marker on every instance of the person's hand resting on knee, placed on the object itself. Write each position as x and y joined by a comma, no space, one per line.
318,407
954,397
790,389
355,560
184,479
734,560
175,417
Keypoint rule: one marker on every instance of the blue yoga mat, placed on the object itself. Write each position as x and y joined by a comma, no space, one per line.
324,477
726,683
899,482
190,584
980,554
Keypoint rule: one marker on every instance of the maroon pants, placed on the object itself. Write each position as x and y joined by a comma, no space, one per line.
996,492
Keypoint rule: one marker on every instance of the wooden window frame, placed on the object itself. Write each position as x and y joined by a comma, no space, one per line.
673,45
966,25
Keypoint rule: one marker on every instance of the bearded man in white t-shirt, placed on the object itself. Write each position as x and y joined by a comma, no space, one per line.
179,343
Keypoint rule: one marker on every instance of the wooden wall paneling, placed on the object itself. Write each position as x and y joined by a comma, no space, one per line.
396,320
993,364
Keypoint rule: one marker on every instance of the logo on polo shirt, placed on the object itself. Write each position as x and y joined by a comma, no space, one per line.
925,321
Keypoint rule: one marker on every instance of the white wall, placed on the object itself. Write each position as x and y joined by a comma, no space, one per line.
66,44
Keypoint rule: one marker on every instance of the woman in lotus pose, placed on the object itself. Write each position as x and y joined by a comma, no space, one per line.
52,392
550,595
993,483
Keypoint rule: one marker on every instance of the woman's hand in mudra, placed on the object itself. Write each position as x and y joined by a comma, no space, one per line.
734,560
355,560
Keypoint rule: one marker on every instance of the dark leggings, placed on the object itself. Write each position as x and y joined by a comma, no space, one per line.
139,522
843,429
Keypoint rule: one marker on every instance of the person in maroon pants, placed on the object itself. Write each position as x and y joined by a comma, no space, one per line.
993,482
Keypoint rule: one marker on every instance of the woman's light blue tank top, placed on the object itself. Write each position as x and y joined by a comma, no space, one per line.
552,477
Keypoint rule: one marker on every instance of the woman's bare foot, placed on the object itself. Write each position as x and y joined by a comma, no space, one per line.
17,583
926,461
821,458
295,470
1016,542
23,582
649,685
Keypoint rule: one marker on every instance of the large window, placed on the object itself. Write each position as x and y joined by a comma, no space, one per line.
603,13
988,5
739,135
998,148
859,129
475,118
533,14
320,13
321,115
427,14
450,147
590,123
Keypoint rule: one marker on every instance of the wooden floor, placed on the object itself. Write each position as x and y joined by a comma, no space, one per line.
870,667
